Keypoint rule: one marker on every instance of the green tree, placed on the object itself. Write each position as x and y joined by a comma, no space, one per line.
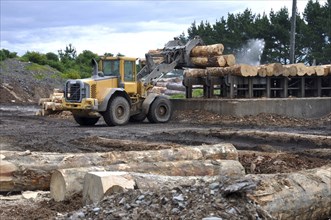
318,19
35,57
280,31
4,54
83,63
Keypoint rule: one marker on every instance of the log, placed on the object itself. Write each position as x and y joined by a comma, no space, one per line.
230,59
319,71
67,182
217,71
195,73
290,71
96,184
208,50
261,71
237,70
301,69
301,195
208,61
33,171
327,69
310,70
214,61
100,184
273,69
242,70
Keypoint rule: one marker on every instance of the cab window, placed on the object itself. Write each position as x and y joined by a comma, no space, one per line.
111,67
129,71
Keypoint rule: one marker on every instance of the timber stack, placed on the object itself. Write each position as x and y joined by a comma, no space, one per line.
51,105
210,60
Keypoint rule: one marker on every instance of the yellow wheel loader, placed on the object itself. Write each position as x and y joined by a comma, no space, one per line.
118,93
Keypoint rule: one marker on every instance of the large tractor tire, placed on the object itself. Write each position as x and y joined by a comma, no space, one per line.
118,112
160,110
85,121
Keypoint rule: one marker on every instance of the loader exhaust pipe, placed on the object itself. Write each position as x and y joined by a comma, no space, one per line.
95,68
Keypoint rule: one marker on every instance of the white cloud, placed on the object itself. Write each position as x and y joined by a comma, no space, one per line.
128,27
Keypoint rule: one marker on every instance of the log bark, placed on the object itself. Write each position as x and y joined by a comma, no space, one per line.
208,50
66,182
195,73
237,70
33,171
217,71
302,195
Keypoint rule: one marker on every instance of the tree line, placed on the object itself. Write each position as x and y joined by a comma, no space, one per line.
313,33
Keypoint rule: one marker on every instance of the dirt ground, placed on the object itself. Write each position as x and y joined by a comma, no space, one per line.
274,144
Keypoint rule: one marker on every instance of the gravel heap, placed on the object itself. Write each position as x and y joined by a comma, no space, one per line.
217,200
25,82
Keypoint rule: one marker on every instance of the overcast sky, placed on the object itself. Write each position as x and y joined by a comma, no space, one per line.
128,27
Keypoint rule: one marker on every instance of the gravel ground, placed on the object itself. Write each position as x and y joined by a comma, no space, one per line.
21,130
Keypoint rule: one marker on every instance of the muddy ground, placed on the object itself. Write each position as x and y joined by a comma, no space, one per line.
275,144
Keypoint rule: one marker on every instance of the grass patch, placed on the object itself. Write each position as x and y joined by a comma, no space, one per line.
37,68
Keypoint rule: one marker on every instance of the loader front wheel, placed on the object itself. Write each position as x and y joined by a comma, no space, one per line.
85,121
118,111
160,110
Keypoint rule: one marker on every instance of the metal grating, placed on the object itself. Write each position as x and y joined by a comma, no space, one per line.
73,92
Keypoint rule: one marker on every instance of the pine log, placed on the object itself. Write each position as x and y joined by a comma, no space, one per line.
319,70
195,73
273,69
327,69
99,184
217,71
301,195
66,182
230,59
290,70
237,70
208,50
208,61
33,171
242,70
261,71
301,69
310,70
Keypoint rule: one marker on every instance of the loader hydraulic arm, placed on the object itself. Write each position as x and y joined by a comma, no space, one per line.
175,55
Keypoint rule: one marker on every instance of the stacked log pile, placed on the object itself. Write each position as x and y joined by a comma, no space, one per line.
273,69
209,60
51,105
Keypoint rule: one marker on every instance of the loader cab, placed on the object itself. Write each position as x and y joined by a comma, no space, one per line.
122,67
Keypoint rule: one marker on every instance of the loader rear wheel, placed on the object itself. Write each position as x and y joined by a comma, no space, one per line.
160,110
85,121
118,111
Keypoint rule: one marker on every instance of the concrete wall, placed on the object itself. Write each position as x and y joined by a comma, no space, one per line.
292,107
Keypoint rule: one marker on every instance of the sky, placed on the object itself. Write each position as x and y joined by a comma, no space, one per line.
127,27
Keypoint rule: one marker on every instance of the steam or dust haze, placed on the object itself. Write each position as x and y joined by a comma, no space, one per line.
251,52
